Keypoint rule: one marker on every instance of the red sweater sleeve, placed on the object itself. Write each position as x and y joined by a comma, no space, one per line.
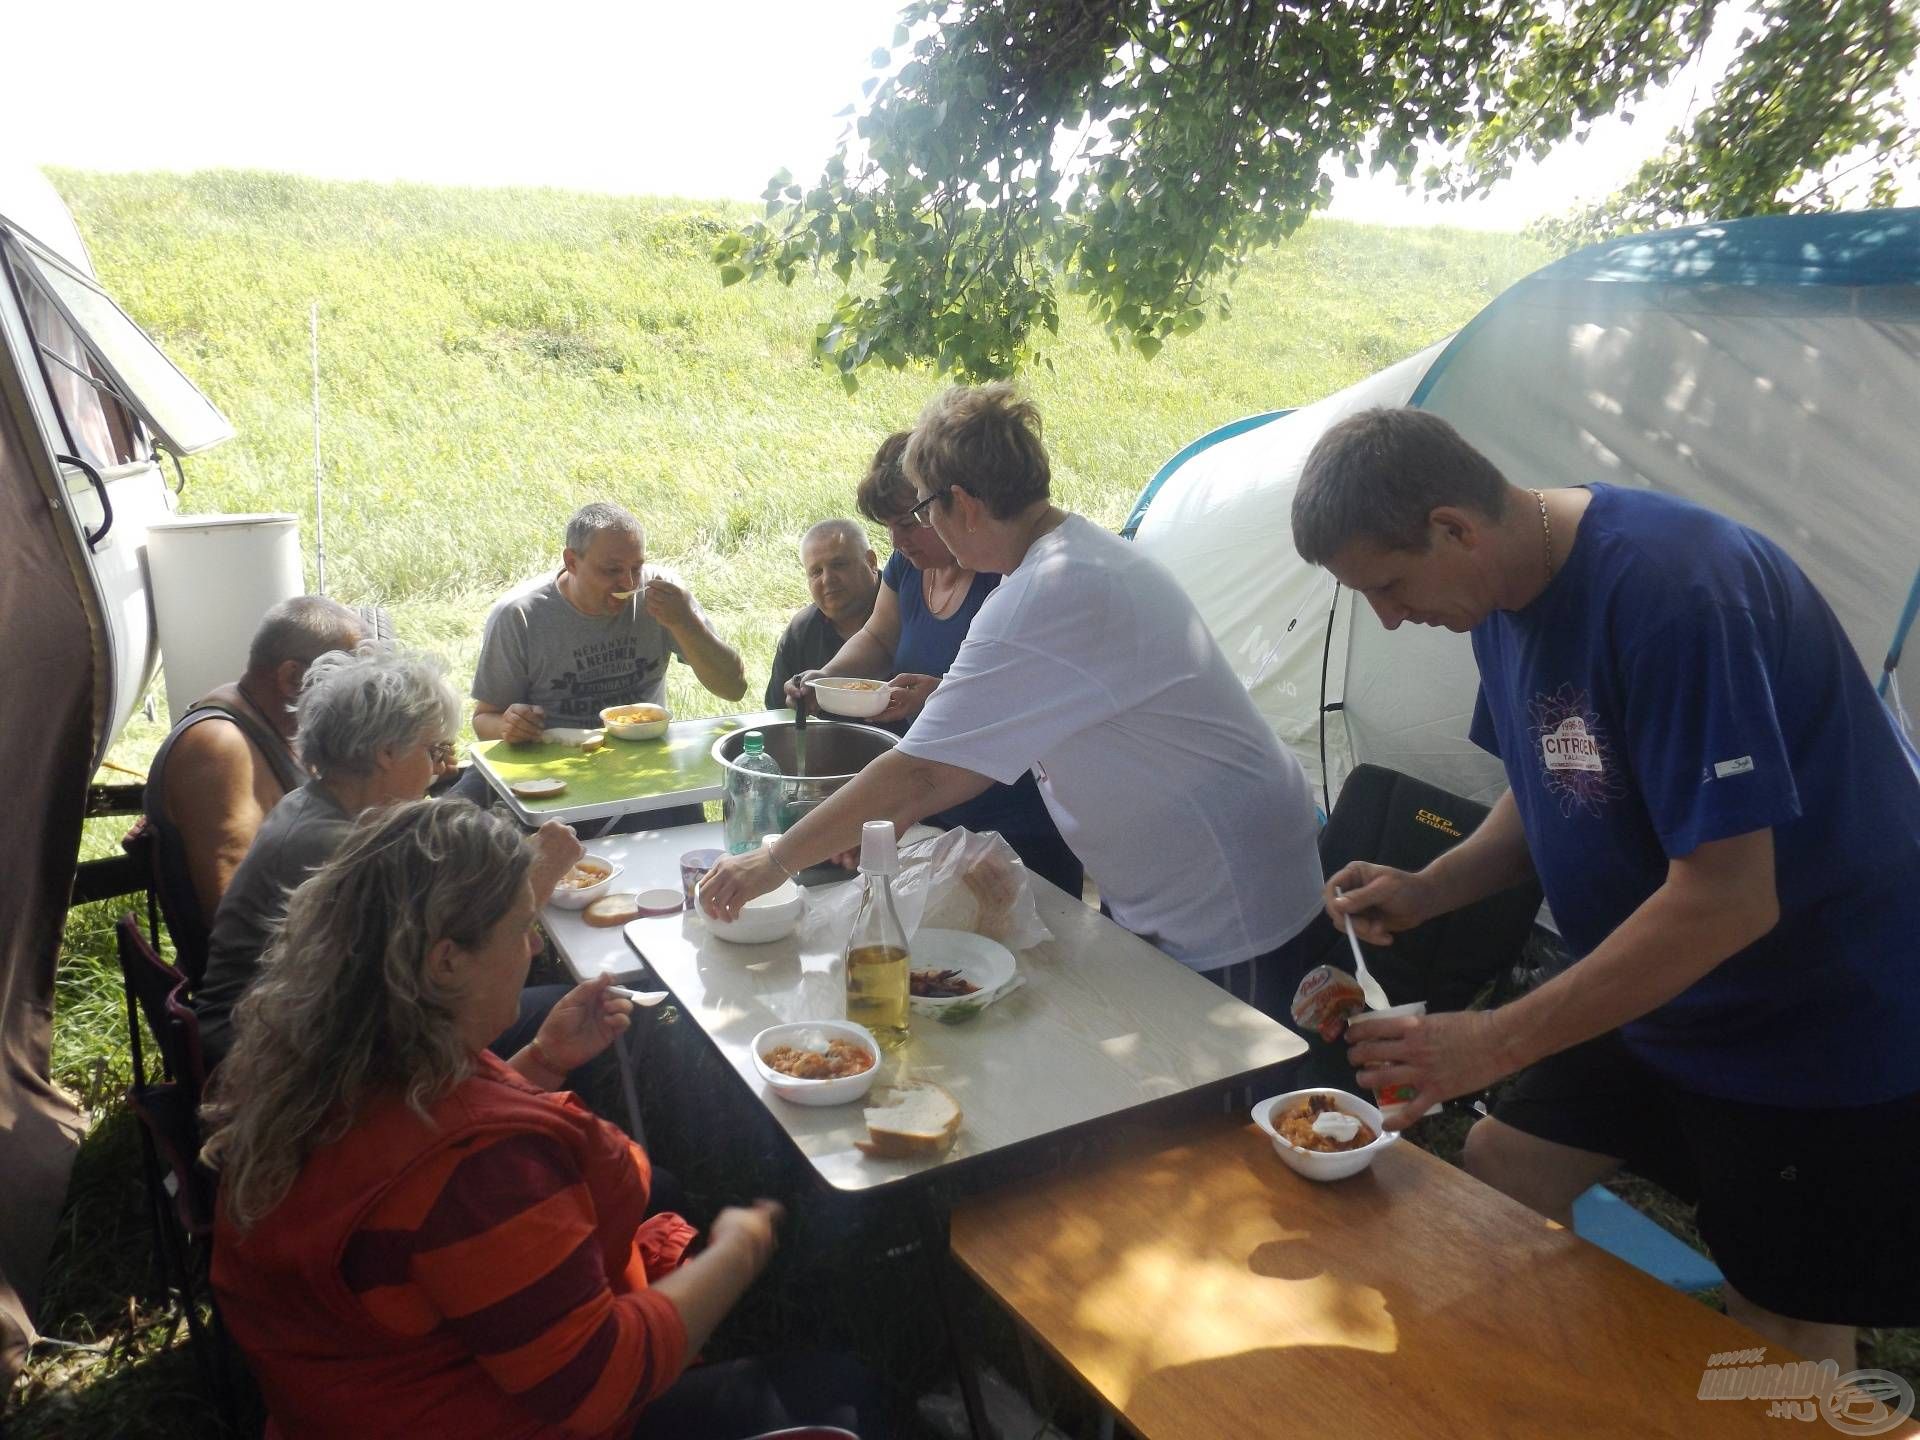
507,1256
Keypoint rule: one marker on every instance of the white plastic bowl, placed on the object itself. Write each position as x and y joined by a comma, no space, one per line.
635,729
986,963
762,920
814,1035
1324,1164
584,896
842,695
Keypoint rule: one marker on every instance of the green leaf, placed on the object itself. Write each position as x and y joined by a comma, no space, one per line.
1219,120
731,275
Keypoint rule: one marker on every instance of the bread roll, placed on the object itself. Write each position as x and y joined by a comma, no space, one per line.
912,1121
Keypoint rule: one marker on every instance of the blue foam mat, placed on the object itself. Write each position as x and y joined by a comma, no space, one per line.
1604,1219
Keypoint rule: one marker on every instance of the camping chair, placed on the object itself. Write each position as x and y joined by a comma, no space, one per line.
1393,819
170,900
141,846
156,989
180,1192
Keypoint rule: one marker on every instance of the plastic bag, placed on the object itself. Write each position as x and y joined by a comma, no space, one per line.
956,880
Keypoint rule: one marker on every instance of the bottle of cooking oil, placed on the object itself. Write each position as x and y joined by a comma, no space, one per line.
877,948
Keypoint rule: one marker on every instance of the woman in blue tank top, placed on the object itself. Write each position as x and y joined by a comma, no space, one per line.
920,618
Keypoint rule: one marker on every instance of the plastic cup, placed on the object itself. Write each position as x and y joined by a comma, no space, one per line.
1393,1097
693,865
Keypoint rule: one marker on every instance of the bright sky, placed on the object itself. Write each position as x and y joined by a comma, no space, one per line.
625,96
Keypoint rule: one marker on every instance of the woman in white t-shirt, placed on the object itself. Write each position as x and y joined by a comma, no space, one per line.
1090,666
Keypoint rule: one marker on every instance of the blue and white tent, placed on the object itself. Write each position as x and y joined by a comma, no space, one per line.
1767,368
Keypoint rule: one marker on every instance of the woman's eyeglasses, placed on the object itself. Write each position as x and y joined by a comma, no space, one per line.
919,514
441,752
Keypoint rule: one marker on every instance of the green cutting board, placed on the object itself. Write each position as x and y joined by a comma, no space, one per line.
621,771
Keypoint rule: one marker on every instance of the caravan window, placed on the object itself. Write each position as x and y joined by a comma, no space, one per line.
98,427
119,352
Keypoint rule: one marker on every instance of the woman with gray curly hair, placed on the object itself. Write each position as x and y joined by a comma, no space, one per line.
376,726
415,1237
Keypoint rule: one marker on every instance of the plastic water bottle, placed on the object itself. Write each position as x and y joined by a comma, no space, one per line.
752,804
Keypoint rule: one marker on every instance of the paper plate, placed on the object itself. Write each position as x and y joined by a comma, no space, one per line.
574,735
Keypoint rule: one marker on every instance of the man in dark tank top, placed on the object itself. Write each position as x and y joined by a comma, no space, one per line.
229,759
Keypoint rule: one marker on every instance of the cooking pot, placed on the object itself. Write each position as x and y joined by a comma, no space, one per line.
836,752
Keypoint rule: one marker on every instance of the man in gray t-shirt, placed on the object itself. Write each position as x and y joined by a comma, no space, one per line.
559,650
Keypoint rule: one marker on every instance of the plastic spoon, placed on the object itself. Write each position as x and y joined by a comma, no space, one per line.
1369,987
644,998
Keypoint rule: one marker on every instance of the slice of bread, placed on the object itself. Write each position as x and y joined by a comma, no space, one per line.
611,910
917,1120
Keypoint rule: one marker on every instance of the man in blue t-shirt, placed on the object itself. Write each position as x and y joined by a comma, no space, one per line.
1727,825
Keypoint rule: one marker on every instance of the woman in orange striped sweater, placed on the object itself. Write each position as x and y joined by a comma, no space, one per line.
416,1238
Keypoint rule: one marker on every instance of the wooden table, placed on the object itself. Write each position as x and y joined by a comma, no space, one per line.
1204,1290
1104,1024
622,777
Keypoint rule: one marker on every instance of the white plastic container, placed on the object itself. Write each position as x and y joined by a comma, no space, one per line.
814,1035
763,919
1324,1164
580,896
843,695
213,578
1394,1098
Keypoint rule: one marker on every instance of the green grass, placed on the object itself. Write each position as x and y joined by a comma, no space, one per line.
491,359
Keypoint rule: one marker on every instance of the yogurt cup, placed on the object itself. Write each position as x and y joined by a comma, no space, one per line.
1327,998
1394,1097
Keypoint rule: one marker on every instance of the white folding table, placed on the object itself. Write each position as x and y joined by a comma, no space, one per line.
1104,1024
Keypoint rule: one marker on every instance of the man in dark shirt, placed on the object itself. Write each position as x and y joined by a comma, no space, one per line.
1726,822
843,576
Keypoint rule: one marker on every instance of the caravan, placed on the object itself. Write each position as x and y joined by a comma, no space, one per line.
93,422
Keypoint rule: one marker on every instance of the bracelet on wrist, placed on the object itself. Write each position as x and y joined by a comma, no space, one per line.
544,1060
774,856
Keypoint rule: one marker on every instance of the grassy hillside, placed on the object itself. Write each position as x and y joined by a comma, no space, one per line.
491,359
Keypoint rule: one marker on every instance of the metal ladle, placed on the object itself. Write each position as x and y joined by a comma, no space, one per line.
800,736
